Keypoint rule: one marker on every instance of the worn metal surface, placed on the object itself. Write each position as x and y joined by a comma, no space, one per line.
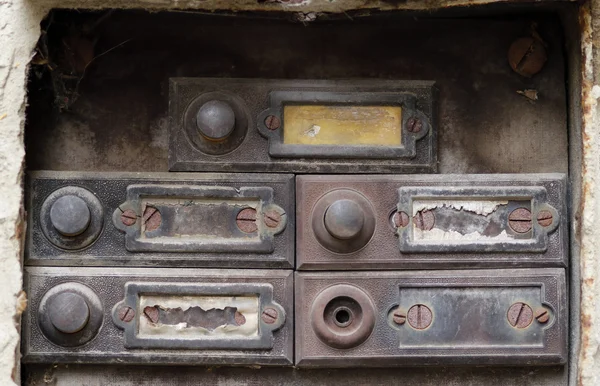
377,246
271,344
264,146
202,338
454,317
199,218
175,219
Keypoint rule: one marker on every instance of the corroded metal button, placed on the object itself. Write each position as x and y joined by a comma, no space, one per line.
344,219
70,215
215,120
69,312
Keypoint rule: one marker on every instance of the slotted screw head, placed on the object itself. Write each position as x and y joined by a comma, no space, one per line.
542,315
527,56
246,220
401,219
544,218
419,316
152,218
520,315
424,220
399,317
272,122
519,220
128,217
126,314
272,218
269,315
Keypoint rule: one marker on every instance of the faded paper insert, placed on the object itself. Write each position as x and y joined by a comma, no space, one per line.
188,317
342,125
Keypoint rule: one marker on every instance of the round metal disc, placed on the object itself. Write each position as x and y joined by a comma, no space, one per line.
70,215
69,312
215,120
344,219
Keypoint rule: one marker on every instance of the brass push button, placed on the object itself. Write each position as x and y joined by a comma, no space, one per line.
344,219
69,312
215,120
70,215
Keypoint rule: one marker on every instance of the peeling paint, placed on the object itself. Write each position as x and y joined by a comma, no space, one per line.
483,208
438,235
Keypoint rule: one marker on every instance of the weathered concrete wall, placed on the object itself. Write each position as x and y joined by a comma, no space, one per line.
19,31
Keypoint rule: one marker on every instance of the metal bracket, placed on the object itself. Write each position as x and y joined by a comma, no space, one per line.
199,219
201,338
533,199
278,99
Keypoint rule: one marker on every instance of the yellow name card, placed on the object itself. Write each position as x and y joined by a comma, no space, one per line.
342,125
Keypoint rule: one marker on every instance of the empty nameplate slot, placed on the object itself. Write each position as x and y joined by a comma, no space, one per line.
456,221
342,125
191,317
471,318
196,218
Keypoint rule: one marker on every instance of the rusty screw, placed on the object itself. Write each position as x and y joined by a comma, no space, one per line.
399,317
542,315
240,319
544,218
272,122
519,220
527,56
520,315
128,217
269,315
400,219
424,220
419,316
414,125
246,220
152,218
151,313
126,314
272,218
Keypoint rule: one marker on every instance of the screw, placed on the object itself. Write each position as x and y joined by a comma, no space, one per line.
399,317
419,316
128,217
272,218
239,318
519,220
544,218
246,220
520,315
151,218
400,219
126,314
414,125
527,56
541,315
151,313
269,315
272,122
424,220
